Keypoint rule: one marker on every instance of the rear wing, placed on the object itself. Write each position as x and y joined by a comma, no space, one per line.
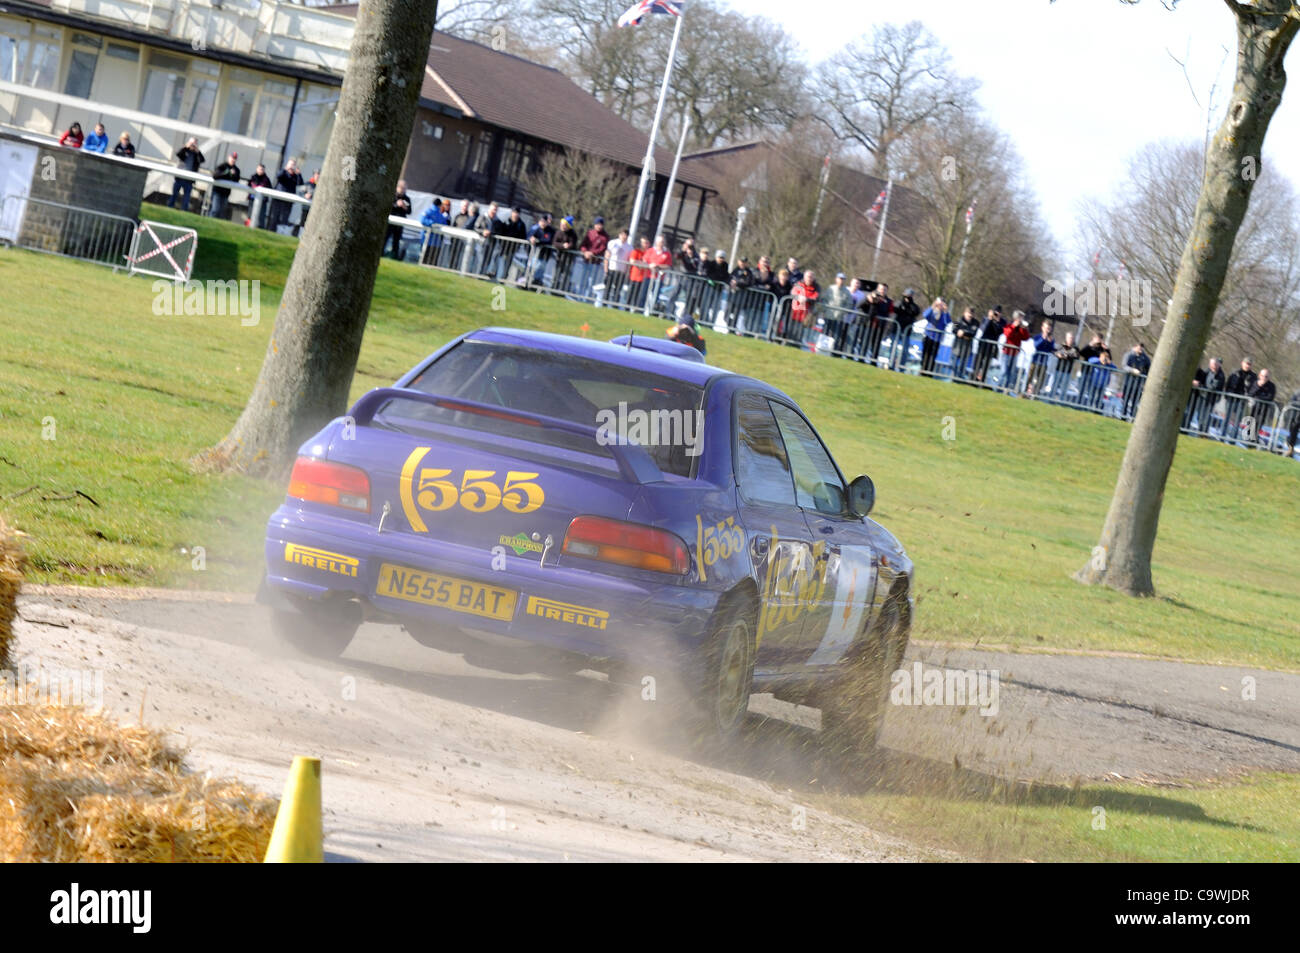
634,464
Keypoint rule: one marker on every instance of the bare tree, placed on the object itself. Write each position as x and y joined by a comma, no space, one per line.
1146,225
571,182
484,21
735,75
880,88
1122,559
950,167
313,350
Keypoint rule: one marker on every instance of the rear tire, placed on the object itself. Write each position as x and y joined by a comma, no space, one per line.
319,632
727,674
853,712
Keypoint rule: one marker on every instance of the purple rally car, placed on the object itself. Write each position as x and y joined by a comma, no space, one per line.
618,507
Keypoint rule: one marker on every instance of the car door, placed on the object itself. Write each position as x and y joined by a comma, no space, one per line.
776,533
839,603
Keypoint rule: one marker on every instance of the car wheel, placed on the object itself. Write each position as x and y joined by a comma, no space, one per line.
320,633
727,673
853,712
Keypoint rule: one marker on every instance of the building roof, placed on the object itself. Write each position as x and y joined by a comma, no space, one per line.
516,94
728,165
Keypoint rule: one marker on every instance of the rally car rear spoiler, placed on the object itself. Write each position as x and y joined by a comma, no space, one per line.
634,464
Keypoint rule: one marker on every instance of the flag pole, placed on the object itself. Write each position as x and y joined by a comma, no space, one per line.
961,259
654,133
880,229
672,179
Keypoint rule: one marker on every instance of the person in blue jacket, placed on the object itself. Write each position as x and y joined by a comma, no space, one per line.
936,323
97,141
433,216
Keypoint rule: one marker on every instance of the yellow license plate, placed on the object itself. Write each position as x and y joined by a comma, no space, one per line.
446,592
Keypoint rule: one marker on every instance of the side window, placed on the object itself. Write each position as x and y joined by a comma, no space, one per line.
762,467
817,483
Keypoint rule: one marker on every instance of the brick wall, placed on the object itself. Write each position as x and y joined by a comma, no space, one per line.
90,182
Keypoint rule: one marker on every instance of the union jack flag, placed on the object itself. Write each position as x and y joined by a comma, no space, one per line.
639,11
876,207
970,214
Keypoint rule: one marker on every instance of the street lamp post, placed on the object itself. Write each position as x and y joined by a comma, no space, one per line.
735,242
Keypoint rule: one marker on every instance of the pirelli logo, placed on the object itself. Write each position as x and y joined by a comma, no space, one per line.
565,612
321,559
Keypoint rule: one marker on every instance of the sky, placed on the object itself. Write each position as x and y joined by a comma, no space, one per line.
1079,85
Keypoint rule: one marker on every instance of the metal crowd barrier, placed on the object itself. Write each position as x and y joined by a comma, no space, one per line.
68,231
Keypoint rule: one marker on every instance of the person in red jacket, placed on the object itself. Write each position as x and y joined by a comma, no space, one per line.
592,265
637,275
1016,334
803,301
73,138
660,259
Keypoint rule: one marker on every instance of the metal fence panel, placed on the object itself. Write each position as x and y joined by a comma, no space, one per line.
68,231
166,251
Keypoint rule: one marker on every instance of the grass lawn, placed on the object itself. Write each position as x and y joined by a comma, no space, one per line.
1249,820
996,519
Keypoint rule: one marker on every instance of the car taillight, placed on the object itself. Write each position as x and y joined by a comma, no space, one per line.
320,481
627,544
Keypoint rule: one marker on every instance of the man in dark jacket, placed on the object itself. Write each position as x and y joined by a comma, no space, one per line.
879,316
991,329
1093,348
289,179
1207,385
190,160
1238,386
739,302
504,242
228,171
1262,394
566,244
402,209
1137,364
964,330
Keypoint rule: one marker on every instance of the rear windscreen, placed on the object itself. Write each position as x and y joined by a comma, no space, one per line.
658,413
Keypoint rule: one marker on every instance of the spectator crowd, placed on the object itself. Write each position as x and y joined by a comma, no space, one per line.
850,318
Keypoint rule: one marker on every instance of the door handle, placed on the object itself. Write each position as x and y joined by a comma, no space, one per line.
758,546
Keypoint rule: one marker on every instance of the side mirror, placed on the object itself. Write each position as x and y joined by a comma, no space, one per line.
862,495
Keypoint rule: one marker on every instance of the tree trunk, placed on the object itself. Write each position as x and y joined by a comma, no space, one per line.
1122,560
312,354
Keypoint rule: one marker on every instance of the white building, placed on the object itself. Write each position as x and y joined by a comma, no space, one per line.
258,78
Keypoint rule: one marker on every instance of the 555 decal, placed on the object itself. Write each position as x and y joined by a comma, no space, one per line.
435,489
716,543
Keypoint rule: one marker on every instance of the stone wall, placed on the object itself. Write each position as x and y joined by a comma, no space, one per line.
89,182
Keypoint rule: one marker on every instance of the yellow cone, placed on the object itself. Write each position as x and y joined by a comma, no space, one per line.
297,836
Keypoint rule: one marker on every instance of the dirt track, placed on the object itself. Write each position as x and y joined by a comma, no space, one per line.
427,757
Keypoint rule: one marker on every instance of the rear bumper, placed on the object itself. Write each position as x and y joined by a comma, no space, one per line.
608,616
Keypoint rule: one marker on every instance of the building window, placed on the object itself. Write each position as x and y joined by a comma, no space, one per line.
129,53
272,117
482,151
81,73
164,86
38,60
239,109
204,90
